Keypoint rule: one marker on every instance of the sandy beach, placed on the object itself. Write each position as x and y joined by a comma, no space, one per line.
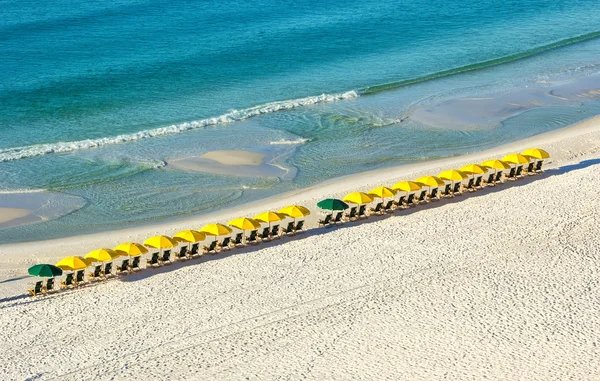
497,284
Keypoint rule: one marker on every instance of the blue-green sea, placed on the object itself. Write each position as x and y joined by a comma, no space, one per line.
97,98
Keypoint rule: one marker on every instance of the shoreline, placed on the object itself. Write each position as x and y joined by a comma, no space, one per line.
14,258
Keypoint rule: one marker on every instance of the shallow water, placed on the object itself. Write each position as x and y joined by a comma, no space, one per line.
95,99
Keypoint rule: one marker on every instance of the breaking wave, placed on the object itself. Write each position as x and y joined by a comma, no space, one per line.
16,153
289,142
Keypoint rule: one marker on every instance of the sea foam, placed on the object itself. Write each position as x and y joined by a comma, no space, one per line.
16,153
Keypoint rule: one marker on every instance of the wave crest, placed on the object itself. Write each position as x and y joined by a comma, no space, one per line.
289,142
16,153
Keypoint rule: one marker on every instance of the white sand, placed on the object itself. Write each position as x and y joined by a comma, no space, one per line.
229,162
235,157
9,214
500,284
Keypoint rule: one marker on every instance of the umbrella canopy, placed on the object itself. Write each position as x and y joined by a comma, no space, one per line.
452,175
73,263
294,211
216,229
358,198
160,242
269,217
382,192
496,164
473,169
131,248
101,255
536,153
515,158
48,271
430,181
189,236
244,223
406,186
332,204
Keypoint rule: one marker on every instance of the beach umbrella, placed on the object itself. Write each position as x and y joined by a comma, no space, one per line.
382,192
358,198
189,236
216,229
244,223
294,211
160,242
515,158
131,248
406,186
536,153
270,217
452,175
332,204
44,270
473,169
73,263
430,181
101,255
496,164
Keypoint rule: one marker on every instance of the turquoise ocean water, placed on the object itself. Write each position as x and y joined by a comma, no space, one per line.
96,98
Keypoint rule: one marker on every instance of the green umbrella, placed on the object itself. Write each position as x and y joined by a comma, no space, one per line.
332,204
47,271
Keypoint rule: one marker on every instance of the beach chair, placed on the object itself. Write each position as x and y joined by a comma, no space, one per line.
422,196
49,287
538,166
478,182
252,238
519,171
225,244
338,218
498,176
182,254
326,221
434,193
490,179
37,289
289,229
351,214
388,206
166,257
107,270
470,184
377,208
447,189
362,212
299,226
210,248
124,267
68,282
239,239
153,260
194,249
410,199
400,202
456,188
135,264
79,277
265,233
511,174
96,274
275,232
530,168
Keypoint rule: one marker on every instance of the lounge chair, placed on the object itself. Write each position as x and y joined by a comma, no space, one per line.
388,206
79,277
433,194
68,282
265,234
410,199
530,168
362,212
421,197
400,202
194,250
351,214
239,239
225,244
49,286
338,218
498,176
456,188
299,226
182,254
519,171
289,229
326,221
96,274
470,184
135,264
447,189
478,182
124,267
166,257
252,237
153,260
107,270
490,179
377,208
511,174
37,289
210,248
275,232
538,166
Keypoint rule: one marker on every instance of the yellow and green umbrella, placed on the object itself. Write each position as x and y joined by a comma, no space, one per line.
294,211
189,236
406,186
515,158
473,169
101,255
73,263
536,153
160,242
382,192
358,198
131,248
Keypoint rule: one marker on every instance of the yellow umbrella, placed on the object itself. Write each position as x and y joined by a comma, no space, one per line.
101,255
216,229
515,158
430,181
382,192
452,175
294,211
244,223
406,186
496,164
473,169
269,217
160,242
358,198
536,153
73,263
131,248
189,236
